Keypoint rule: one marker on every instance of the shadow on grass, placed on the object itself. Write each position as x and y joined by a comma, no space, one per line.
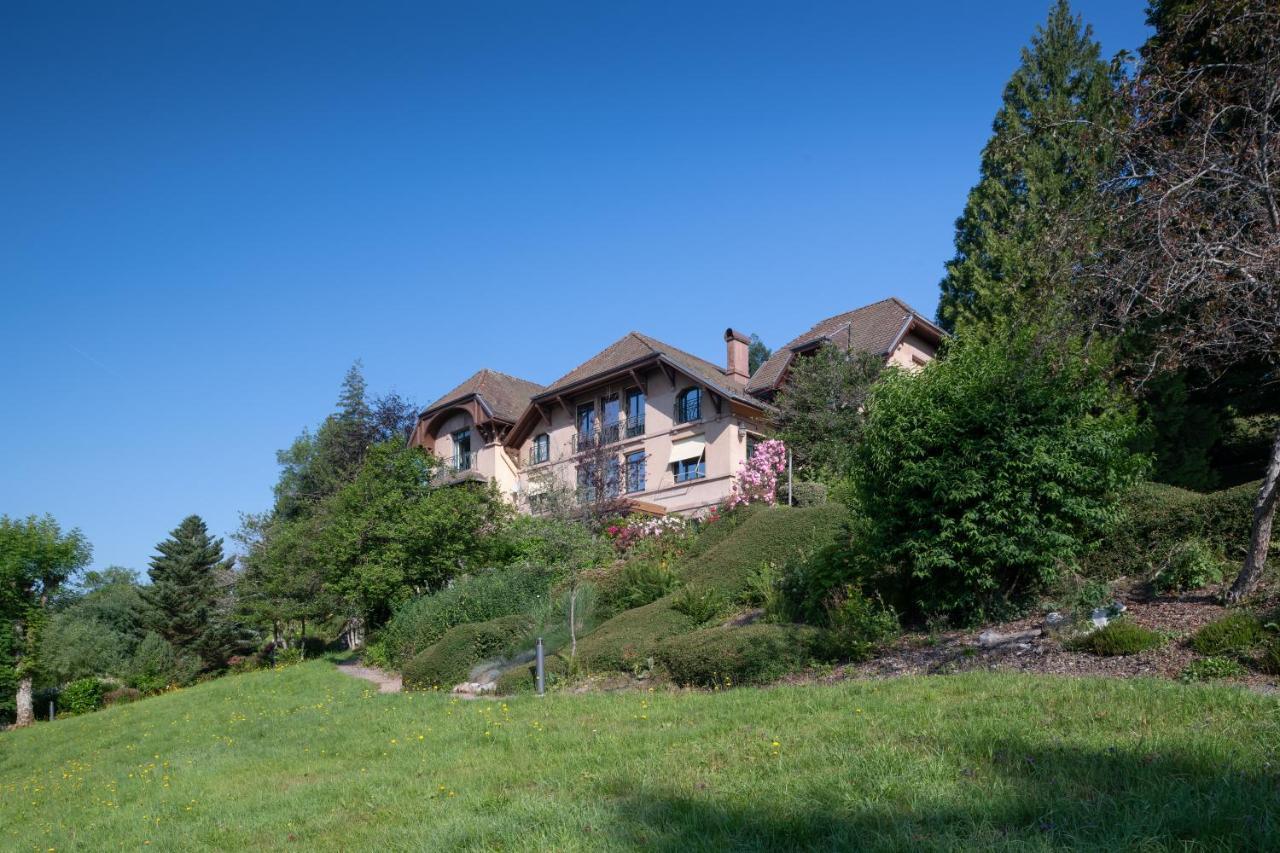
1009,794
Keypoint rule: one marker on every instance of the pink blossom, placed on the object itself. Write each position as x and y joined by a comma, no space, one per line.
757,479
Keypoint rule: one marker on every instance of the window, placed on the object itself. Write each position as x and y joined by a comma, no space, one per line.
752,441
586,426
610,412
690,469
612,478
635,413
586,484
635,471
462,450
541,450
688,405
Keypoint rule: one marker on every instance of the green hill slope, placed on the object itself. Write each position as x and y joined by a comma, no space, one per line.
307,759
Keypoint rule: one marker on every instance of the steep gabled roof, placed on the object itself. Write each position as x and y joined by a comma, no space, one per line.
504,396
635,348
873,328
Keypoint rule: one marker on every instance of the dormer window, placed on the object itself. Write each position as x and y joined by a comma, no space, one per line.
688,405
541,450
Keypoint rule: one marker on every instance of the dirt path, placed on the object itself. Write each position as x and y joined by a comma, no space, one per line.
387,683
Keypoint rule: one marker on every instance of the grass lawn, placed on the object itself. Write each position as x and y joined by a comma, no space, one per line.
306,758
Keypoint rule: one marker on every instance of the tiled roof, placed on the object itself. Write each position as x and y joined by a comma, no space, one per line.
506,396
635,347
873,328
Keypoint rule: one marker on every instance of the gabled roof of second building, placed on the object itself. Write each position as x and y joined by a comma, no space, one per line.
505,396
634,348
873,328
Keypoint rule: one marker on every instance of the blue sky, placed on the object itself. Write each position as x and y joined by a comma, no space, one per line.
210,210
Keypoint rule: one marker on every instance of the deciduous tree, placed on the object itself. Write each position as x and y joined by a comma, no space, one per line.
36,557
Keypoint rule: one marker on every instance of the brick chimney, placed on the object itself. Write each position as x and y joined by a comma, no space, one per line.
736,355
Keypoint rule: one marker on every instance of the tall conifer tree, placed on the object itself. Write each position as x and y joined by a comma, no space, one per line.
185,592
1053,142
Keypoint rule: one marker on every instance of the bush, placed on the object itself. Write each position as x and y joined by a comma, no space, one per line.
1235,635
985,471
1193,564
724,656
805,493
81,697
642,580
700,605
156,665
626,640
1269,661
1212,668
421,622
1120,637
856,626
449,661
288,657
74,646
1153,515
767,535
121,696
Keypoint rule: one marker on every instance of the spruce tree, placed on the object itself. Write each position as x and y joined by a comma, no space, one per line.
184,593
1053,142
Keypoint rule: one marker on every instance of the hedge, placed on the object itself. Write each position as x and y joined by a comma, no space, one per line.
449,661
725,656
632,636
1156,518
422,621
771,535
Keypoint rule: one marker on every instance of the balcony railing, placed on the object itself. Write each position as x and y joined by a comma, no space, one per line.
610,433
688,408
461,461
538,455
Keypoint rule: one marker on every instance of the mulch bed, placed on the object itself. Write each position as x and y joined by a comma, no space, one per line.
959,651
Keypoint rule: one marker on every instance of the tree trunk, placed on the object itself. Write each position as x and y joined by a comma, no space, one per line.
302,637
26,714
1264,512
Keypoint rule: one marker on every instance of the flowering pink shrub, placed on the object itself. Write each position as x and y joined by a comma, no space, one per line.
757,479
630,531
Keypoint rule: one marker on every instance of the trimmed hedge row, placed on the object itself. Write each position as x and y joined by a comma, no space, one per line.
1157,518
725,656
761,535
771,535
449,661
630,638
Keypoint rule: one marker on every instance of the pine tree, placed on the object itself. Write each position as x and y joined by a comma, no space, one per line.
185,592
1053,142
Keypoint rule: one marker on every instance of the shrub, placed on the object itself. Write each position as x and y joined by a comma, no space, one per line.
805,493
81,696
121,696
1193,564
422,621
856,626
1120,637
1212,668
1153,515
449,661
156,665
627,639
288,657
980,474
1269,661
74,646
724,656
1235,634
700,605
641,581
764,590
767,535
